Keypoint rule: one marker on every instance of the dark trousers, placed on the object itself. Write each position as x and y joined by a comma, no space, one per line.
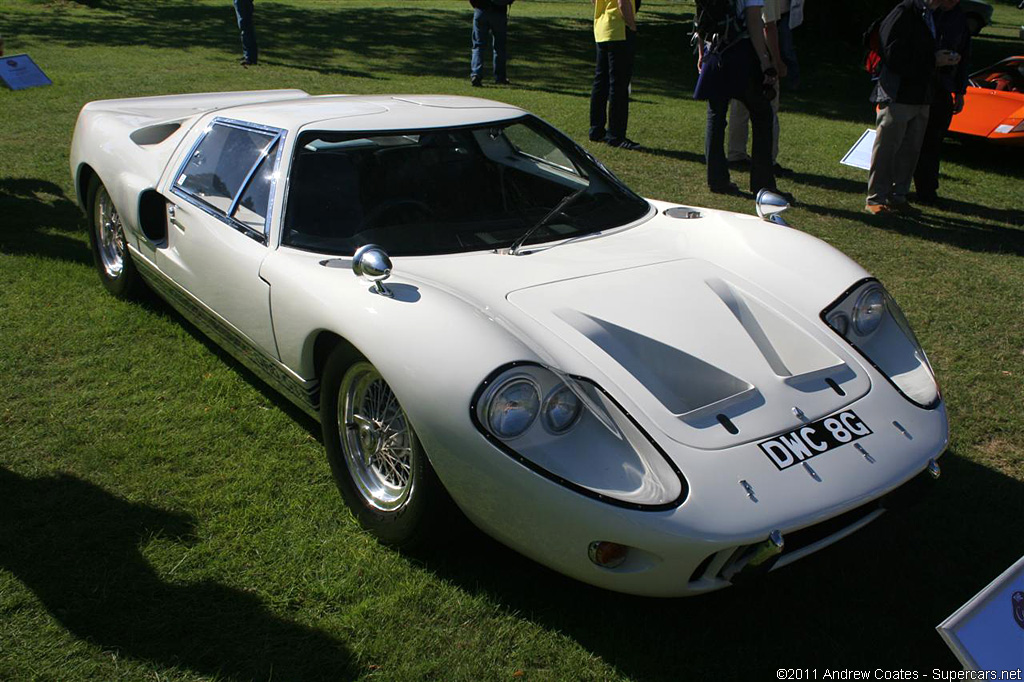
244,14
926,174
752,94
609,98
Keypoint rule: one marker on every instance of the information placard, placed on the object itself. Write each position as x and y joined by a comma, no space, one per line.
987,633
859,155
18,72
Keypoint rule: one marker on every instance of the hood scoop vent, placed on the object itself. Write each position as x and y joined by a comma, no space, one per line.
793,356
686,386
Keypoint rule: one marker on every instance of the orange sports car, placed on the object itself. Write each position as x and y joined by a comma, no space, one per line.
994,103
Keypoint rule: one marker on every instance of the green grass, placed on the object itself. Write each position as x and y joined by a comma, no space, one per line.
164,515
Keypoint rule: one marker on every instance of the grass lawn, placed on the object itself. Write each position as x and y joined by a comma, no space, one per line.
165,516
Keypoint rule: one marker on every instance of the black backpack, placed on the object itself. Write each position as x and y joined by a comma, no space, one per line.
717,23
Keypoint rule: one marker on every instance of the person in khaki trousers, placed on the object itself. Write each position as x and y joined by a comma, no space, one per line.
903,95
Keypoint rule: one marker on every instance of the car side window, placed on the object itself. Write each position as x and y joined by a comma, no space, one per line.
230,173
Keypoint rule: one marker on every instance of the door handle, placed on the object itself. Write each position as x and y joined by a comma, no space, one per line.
172,216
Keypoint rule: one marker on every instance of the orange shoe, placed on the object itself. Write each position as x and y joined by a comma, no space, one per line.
877,209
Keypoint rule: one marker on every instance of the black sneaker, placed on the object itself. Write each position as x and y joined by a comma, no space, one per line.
246,63
502,81
739,163
476,81
625,143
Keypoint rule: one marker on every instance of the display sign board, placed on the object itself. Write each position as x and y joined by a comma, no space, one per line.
859,155
987,633
18,72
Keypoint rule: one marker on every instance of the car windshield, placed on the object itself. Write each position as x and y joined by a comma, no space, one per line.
423,192
1007,77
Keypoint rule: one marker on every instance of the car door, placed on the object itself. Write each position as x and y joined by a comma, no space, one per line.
220,202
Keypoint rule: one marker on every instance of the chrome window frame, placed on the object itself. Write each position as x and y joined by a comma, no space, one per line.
275,146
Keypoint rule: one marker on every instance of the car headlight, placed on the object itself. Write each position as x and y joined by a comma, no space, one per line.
561,409
512,407
578,437
868,310
871,321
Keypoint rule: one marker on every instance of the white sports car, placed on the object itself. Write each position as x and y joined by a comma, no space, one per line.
653,398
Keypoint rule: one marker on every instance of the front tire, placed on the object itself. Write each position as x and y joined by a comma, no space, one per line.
377,461
109,245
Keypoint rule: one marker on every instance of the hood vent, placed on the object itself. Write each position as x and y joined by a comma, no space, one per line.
790,352
686,386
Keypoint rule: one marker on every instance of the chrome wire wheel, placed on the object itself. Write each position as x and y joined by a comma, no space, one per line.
109,234
376,438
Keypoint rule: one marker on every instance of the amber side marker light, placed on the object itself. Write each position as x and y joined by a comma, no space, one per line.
607,554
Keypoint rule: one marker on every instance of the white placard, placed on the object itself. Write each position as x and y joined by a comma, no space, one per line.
987,633
859,155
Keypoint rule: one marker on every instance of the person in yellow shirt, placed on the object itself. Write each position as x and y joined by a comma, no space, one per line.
615,37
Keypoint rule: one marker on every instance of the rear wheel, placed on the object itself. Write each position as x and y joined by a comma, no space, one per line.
108,243
379,466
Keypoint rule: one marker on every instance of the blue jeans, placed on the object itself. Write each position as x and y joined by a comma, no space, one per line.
609,98
244,13
489,23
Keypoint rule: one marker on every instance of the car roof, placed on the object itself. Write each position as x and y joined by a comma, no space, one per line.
373,112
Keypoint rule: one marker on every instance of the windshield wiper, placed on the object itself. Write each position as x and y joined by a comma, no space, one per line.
560,207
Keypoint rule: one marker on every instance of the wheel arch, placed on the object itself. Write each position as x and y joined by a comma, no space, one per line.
84,177
322,345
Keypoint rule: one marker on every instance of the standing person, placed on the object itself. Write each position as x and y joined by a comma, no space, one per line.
734,63
739,117
903,94
950,86
244,11
490,21
615,37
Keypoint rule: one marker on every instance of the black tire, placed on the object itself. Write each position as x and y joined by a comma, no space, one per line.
405,516
107,241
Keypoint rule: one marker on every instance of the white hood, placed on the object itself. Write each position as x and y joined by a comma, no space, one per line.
698,349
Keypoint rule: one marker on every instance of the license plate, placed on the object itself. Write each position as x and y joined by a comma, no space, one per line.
814,439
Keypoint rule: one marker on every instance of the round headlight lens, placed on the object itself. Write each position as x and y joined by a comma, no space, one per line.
561,409
868,312
512,408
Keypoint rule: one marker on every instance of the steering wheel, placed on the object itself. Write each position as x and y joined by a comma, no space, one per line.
398,208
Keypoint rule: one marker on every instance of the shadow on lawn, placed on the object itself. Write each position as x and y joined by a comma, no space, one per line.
30,206
76,547
548,54
871,600
957,225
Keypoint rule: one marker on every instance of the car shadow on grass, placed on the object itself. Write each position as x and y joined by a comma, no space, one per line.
871,600
39,219
77,548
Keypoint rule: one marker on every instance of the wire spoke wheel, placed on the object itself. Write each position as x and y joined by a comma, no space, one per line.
376,439
109,235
